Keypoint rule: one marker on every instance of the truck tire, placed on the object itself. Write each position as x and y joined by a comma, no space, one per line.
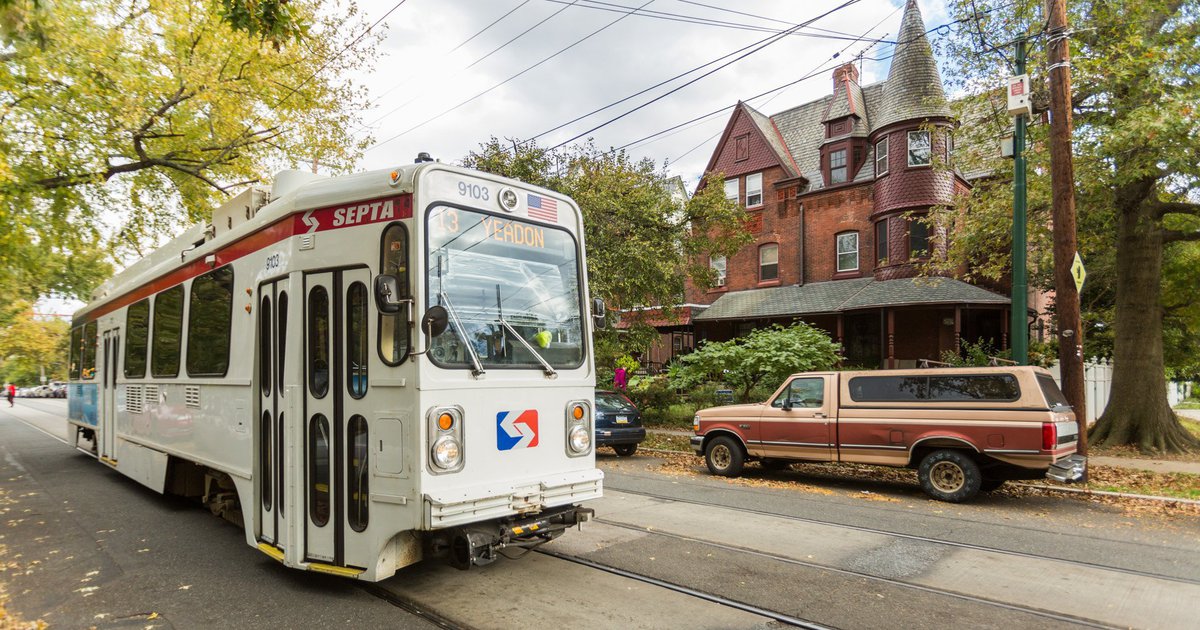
949,475
724,457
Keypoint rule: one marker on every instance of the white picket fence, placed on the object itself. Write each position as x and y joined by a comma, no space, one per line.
1097,386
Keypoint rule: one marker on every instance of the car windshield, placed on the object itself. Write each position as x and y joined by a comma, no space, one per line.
613,403
490,270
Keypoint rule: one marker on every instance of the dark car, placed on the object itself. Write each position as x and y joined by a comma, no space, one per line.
618,423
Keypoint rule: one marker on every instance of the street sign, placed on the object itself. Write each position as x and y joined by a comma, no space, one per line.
1078,272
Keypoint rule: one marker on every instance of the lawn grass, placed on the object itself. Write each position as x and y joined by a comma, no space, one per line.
1188,404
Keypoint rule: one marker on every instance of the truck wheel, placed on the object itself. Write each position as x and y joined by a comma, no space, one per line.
625,450
724,457
948,475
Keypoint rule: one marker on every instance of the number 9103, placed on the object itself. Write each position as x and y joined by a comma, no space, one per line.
473,191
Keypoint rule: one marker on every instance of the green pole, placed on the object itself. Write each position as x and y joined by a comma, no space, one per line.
1019,324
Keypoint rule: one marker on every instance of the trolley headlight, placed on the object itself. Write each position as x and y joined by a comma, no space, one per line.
444,431
579,439
446,452
579,428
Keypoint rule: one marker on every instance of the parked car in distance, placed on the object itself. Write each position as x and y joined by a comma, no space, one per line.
618,423
964,430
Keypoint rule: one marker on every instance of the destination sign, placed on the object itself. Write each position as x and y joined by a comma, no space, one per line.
504,230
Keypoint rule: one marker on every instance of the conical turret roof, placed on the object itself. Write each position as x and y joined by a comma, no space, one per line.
914,87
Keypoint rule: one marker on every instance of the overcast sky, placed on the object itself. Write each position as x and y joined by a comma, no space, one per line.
421,82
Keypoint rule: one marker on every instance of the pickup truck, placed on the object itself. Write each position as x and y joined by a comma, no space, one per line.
964,430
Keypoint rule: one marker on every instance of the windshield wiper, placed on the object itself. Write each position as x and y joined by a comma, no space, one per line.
477,370
546,367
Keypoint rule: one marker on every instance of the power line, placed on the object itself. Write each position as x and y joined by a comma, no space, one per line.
469,100
599,5
763,44
451,51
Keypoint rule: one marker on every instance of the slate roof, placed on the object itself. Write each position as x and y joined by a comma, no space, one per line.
837,296
771,134
914,87
803,132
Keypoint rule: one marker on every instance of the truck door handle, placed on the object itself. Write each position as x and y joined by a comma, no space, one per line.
743,426
818,415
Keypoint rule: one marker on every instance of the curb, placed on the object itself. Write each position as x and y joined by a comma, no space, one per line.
1038,486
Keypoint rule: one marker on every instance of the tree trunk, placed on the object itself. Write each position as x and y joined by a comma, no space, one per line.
1138,412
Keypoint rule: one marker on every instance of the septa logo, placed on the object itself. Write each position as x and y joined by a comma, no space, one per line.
516,429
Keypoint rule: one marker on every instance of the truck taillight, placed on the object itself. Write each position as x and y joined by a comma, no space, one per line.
1049,436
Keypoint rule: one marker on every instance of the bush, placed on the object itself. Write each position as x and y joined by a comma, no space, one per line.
761,359
652,394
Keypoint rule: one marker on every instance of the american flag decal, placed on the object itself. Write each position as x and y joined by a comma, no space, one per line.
543,208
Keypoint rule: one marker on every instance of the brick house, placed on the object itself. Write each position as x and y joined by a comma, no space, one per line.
831,188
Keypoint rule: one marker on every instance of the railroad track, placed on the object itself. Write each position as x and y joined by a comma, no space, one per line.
913,537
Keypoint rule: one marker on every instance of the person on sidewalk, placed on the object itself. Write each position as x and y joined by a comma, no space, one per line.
619,379
10,390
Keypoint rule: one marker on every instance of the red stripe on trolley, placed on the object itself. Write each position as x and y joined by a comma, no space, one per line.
336,217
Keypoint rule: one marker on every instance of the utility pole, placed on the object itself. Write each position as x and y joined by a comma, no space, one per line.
1062,183
1019,318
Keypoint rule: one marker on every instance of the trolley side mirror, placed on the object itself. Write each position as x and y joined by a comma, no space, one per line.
387,294
435,321
598,313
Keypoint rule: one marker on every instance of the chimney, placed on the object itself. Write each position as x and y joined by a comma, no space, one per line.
843,72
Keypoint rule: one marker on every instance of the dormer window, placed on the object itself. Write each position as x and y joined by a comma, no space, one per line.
837,166
920,152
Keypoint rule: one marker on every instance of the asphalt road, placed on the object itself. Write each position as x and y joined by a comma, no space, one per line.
85,546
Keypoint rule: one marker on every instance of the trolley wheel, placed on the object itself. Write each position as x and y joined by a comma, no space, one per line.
625,450
949,475
724,457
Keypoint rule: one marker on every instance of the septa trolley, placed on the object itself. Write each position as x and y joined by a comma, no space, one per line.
362,371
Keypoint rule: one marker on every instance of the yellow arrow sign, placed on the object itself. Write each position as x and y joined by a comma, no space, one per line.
1078,272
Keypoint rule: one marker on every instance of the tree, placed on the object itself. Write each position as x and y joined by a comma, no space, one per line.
765,356
32,345
641,242
1137,181
136,118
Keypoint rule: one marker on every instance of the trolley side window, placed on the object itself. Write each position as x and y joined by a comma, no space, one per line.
76,349
210,314
318,470
394,333
137,338
281,307
356,340
357,512
318,342
168,333
89,351
264,344
264,458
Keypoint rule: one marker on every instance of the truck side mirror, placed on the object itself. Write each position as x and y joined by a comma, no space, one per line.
387,294
435,321
598,313
787,402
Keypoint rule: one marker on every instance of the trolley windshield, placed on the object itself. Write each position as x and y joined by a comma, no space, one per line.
500,278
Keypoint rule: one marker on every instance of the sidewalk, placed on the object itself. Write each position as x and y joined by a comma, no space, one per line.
1152,465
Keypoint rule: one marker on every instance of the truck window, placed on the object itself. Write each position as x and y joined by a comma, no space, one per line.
806,393
939,388
1054,395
